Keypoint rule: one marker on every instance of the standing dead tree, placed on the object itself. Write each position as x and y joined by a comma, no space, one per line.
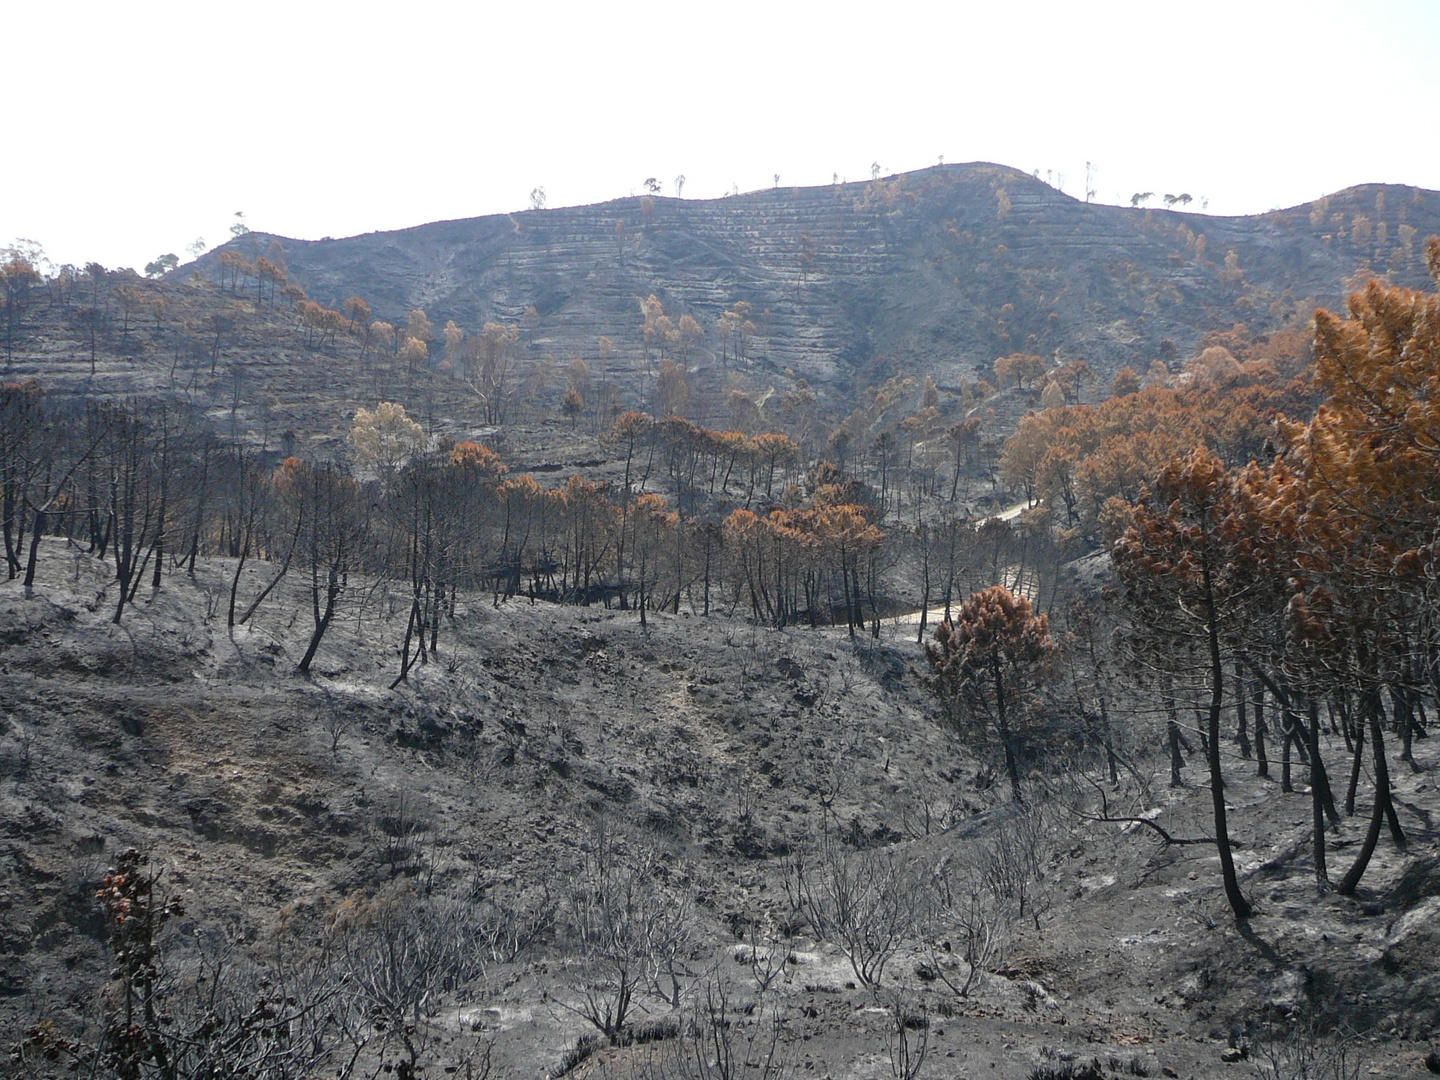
336,527
1179,571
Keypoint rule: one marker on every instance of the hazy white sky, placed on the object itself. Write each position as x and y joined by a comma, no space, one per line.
132,128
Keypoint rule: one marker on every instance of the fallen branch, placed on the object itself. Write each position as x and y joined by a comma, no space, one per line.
1161,831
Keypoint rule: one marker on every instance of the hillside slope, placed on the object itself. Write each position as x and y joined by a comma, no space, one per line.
932,272
268,798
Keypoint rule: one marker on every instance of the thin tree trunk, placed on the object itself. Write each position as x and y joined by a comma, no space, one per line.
255,604
30,562
322,623
235,580
1238,903
1241,735
159,545
1109,742
1351,881
1396,833
1319,775
1257,702
406,660
1318,788
1012,768
1285,740
1355,766
925,588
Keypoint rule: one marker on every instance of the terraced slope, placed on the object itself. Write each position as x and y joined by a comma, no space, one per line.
938,271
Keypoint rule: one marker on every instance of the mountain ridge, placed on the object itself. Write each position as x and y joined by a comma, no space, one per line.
937,271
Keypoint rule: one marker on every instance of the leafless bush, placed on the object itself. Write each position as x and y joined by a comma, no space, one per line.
847,671
278,1000
980,890
907,1039
469,749
335,724
722,1046
398,833
629,932
672,940
401,957
512,743
1013,861
214,600
747,801
512,922
835,773
767,956
863,901
933,807
1304,1048
280,1010
400,951
721,1039
961,905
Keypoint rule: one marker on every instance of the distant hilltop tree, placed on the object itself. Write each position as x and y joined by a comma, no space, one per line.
161,265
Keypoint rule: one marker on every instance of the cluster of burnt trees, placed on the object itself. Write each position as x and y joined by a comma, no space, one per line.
1315,576
1307,582
151,488
909,441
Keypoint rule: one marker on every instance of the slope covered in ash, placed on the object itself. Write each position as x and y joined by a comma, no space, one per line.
932,272
729,758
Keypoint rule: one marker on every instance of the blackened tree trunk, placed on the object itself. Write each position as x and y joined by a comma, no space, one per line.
1319,786
1370,703
333,589
1238,904
1257,701
1242,737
